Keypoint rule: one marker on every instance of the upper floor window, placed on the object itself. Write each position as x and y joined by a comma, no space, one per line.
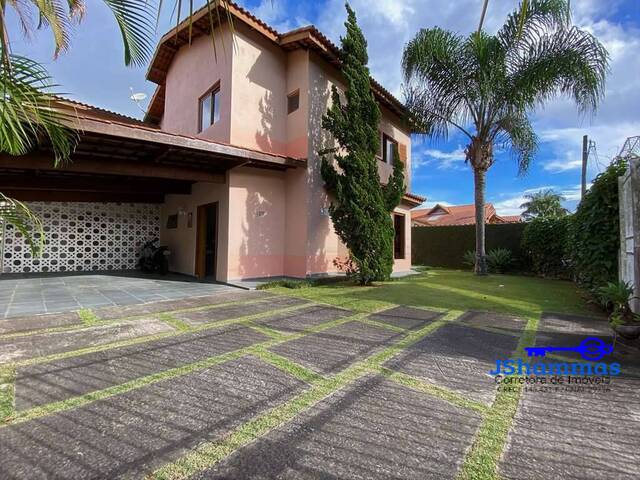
293,101
210,108
389,149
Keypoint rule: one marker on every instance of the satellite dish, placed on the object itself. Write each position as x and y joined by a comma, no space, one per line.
138,97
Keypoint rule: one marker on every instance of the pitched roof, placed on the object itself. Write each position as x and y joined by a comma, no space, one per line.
443,215
308,37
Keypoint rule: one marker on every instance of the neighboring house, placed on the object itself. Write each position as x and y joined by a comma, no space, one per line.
224,168
443,215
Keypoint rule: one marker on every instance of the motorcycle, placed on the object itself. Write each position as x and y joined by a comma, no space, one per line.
154,258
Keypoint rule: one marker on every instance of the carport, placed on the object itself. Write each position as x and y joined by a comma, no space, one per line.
101,206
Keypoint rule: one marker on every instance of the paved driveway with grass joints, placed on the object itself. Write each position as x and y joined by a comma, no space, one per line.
242,385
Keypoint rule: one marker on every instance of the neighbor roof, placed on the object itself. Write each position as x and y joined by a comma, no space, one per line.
308,37
444,215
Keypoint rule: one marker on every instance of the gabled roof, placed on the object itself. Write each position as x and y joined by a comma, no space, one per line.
308,37
444,215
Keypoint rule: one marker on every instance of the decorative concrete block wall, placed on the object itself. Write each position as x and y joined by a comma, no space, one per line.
629,188
83,237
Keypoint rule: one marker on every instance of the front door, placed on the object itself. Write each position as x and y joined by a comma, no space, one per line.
207,233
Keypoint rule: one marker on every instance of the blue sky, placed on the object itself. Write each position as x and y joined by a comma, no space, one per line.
93,71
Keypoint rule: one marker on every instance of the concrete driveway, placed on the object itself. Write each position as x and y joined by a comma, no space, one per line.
240,385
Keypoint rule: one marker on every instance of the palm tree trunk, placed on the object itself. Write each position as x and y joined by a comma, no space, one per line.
481,258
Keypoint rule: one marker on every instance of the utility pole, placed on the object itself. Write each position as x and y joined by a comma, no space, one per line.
585,157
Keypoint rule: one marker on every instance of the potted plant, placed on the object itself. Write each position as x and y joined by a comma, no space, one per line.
615,298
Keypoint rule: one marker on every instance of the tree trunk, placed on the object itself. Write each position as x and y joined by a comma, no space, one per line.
481,257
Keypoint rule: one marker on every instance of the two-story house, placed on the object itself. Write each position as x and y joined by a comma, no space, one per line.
224,168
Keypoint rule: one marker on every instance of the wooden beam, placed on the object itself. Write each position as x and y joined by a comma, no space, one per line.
159,137
42,161
114,184
55,196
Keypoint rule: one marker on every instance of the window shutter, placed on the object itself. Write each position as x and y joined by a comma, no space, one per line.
402,153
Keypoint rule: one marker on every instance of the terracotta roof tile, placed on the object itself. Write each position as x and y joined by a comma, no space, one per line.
454,215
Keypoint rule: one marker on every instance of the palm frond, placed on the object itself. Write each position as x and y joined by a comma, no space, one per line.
568,62
514,132
435,72
27,110
531,20
135,19
24,220
53,14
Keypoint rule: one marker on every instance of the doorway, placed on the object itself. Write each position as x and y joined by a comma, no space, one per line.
206,241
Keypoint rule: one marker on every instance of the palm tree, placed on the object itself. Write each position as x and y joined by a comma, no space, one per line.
485,86
27,100
543,204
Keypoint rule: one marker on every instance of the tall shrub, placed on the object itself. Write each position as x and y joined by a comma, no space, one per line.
595,230
361,207
544,241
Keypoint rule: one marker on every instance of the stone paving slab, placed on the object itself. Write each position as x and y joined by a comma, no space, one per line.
129,435
576,435
336,348
67,378
459,358
304,318
67,292
509,323
406,317
38,322
373,429
238,310
41,344
110,313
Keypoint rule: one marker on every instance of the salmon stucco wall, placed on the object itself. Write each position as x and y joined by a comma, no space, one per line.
182,240
256,223
259,99
194,71
323,243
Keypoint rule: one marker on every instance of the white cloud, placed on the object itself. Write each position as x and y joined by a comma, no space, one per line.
510,203
441,159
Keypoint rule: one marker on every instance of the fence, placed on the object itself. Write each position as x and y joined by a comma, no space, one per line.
446,246
629,188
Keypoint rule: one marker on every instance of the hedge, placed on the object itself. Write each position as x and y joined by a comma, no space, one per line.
445,246
594,237
545,243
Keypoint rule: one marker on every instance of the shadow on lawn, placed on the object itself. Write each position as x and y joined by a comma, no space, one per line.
524,296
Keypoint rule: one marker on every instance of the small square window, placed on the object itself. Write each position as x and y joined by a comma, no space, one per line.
209,108
293,101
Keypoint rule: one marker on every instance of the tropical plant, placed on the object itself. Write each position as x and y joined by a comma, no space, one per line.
594,236
543,204
485,86
499,260
469,259
27,101
614,297
361,207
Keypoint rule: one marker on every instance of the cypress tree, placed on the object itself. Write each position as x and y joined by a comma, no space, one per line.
361,207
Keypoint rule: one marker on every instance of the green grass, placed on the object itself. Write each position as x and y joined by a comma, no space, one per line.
88,317
460,290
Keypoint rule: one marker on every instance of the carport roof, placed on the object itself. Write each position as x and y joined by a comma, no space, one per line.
91,121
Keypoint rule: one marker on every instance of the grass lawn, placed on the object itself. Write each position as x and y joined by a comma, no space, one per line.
455,289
